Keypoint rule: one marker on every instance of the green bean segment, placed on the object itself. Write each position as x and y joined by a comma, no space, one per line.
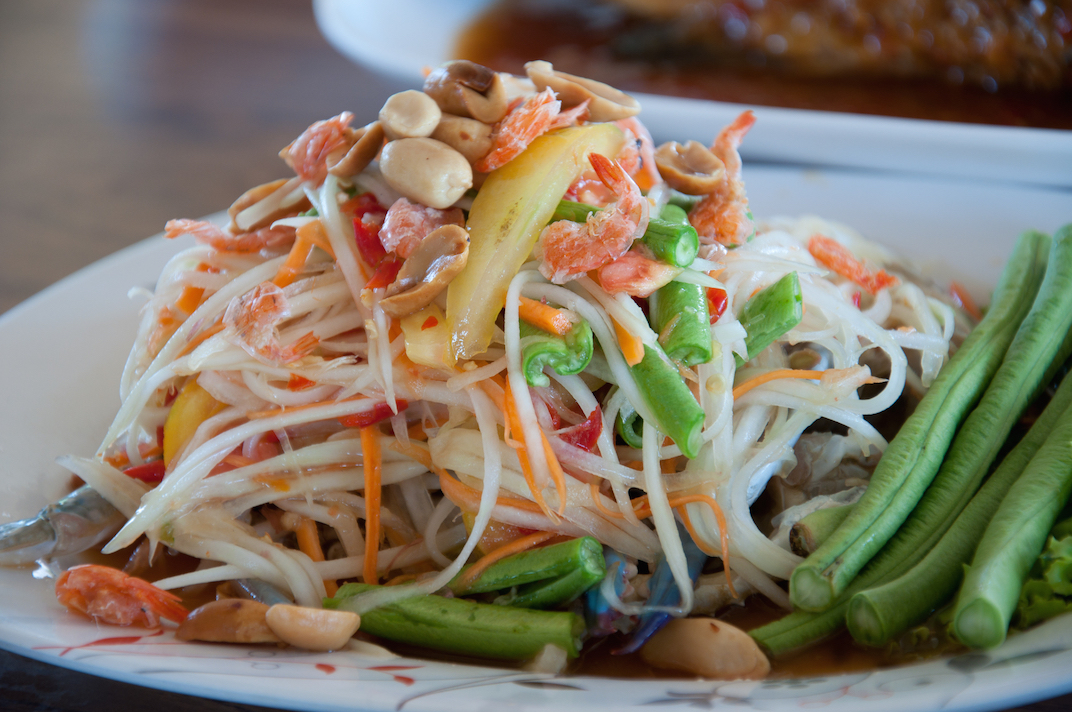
812,530
879,614
913,457
770,313
567,355
676,411
543,577
463,627
680,317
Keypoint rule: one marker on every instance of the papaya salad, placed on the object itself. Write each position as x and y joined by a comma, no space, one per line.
494,375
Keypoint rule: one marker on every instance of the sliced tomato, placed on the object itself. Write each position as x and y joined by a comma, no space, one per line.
151,472
379,413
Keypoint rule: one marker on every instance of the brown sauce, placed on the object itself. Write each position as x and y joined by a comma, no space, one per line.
588,37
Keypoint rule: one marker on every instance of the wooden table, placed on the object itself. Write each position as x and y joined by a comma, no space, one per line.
117,115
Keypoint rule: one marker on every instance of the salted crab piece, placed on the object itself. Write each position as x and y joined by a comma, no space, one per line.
73,524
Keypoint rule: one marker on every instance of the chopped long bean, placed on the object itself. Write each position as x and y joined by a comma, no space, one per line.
680,317
567,355
463,627
630,426
912,458
1012,541
675,408
770,313
544,577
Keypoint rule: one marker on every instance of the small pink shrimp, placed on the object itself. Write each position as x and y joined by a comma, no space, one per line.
642,164
637,158
636,274
251,320
567,249
722,216
307,155
406,224
110,596
206,233
519,128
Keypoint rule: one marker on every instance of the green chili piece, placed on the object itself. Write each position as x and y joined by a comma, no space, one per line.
770,313
567,355
463,627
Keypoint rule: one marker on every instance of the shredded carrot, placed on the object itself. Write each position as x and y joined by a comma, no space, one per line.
632,347
774,375
544,316
723,536
189,299
963,297
513,425
306,238
201,338
309,544
370,456
121,459
515,547
401,578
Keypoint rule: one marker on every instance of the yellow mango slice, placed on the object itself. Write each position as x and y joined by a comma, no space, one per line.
508,213
191,407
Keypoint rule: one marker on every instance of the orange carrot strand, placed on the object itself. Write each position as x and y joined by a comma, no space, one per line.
370,456
309,544
514,424
545,317
515,547
720,517
774,375
632,347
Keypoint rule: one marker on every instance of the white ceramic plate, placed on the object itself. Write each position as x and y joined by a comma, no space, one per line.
61,399
401,37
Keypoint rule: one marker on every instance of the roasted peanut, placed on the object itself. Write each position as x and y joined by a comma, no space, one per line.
605,103
228,620
367,142
465,88
427,272
409,114
312,628
706,647
426,171
469,137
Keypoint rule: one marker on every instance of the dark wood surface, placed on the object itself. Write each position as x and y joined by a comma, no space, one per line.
116,115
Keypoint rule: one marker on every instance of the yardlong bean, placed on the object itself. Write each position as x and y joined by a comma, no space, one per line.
913,457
